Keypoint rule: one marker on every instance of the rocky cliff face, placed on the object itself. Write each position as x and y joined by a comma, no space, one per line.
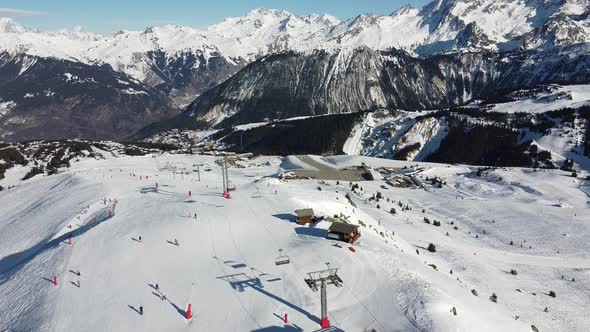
292,84
184,75
320,82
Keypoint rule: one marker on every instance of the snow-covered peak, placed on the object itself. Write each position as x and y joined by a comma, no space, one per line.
264,31
492,16
368,18
441,26
8,25
326,18
64,44
402,29
123,51
76,33
258,12
575,7
403,10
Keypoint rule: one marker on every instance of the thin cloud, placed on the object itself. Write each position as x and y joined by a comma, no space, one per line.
19,12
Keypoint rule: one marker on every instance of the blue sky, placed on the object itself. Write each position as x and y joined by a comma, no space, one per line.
107,16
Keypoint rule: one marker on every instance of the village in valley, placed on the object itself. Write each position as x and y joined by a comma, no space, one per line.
299,243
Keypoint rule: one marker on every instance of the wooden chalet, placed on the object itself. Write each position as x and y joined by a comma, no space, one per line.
304,216
343,232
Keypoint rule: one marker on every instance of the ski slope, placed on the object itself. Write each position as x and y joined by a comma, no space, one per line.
224,264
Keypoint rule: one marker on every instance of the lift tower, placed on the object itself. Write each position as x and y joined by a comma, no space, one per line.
322,279
225,176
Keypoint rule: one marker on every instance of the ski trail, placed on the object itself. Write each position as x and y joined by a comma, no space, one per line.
222,269
258,287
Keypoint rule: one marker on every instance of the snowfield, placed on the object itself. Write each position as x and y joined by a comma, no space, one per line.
387,133
439,26
572,96
382,133
533,222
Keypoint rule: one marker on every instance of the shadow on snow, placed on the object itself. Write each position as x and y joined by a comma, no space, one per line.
241,281
9,262
286,216
310,231
286,328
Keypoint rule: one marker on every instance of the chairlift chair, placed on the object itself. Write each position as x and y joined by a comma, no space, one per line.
282,259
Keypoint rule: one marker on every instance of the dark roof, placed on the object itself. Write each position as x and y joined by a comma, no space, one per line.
342,228
304,213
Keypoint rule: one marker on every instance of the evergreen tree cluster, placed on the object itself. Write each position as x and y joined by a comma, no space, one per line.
318,135
404,152
481,144
11,157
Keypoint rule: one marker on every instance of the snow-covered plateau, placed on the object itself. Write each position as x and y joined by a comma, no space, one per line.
511,250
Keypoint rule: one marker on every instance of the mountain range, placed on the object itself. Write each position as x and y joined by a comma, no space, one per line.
347,81
134,78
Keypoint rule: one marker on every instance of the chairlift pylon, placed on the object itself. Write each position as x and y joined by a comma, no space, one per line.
282,259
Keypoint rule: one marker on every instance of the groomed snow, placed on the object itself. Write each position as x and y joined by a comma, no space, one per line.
573,96
224,265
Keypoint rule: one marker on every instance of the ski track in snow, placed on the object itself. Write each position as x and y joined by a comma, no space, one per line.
224,263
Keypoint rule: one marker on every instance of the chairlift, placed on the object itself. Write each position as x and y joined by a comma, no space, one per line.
282,259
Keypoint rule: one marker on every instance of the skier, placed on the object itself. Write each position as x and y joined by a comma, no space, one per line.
78,272
163,297
141,310
157,287
176,242
195,216
140,239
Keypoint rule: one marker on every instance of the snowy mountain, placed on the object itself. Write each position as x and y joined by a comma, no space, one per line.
479,224
183,63
547,126
441,26
47,98
8,25
63,44
494,137
353,80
